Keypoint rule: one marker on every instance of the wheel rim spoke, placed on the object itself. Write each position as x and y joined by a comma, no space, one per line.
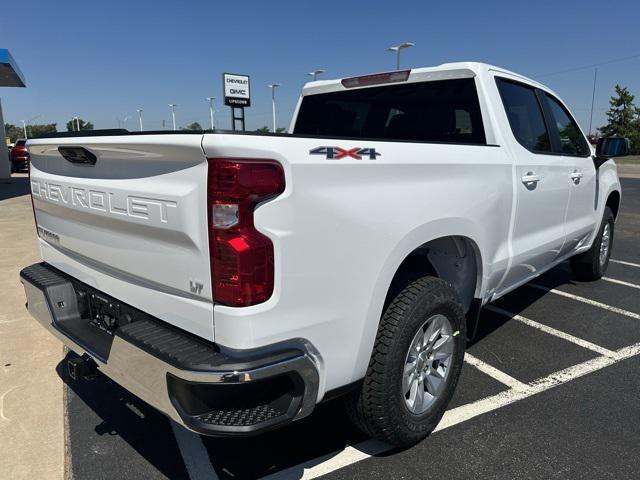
443,348
432,331
413,393
434,382
408,380
419,402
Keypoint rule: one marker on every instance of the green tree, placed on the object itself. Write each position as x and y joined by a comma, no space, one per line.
281,130
623,118
192,126
40,130
73,124
13,132
264,129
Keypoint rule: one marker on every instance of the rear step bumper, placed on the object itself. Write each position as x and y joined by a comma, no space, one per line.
208,389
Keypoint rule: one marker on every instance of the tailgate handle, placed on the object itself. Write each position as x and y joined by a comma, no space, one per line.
78,155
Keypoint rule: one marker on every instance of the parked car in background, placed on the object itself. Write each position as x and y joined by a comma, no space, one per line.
19,156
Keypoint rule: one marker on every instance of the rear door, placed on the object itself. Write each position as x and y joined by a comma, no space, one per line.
570,143
541,179
127,215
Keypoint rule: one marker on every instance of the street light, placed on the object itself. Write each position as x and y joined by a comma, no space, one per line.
273,87
77,122
31,120
173,114
315,74
211,99
139,110
24,128
397,49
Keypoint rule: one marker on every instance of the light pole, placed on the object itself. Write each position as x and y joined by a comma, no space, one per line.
77,122
315,74
173,114
273,87
31,120
397,49
24,128
139,110
593,97
211,119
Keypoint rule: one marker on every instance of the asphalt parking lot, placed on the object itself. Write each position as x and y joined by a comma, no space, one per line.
550,389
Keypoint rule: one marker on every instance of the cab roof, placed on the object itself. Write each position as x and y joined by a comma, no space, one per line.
423,74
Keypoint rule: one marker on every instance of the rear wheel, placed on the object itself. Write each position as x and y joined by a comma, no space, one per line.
415,365
592,264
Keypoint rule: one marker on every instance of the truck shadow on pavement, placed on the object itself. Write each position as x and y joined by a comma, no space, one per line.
522,298
16,188
111,430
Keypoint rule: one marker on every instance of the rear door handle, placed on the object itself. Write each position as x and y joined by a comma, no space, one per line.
530,179
576,176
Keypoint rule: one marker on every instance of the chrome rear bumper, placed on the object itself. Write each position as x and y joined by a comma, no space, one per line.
207,389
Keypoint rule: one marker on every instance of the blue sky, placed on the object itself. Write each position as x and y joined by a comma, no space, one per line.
102,60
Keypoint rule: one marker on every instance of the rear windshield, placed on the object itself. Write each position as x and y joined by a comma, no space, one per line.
20,143
440,111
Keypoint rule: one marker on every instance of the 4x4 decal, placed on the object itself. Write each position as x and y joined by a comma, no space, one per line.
337,153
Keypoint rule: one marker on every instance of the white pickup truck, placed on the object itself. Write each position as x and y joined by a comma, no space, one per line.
235,280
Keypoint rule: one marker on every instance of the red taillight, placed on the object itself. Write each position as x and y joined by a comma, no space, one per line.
241,257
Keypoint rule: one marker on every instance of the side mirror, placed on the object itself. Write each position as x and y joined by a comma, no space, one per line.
611,147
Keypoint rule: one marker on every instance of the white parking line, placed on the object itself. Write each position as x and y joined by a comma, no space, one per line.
493,372
628,264
552,331
471,410
331,462
362,451
620,282
195,456
586,300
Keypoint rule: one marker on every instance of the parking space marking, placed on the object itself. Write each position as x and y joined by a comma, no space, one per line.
628,264
552,331
195,456
471,410
586,300
334,461
493,372
620,282
362,451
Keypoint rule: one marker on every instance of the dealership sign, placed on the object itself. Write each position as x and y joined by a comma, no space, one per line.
236,90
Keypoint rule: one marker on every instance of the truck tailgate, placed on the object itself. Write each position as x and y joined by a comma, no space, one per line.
133,224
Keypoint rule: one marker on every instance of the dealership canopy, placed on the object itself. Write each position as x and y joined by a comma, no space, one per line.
10,74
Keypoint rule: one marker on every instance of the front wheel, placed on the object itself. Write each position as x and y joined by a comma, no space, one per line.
592,264
415,364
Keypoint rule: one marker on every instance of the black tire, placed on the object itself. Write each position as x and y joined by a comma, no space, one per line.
378,407
13,168
587,266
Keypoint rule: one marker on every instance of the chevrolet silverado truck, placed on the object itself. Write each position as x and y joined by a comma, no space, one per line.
235,280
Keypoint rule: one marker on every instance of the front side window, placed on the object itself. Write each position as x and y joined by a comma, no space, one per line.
572,141
445,111
525,116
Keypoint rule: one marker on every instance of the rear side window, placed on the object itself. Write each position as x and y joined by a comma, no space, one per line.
445,111
525,116
572,142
